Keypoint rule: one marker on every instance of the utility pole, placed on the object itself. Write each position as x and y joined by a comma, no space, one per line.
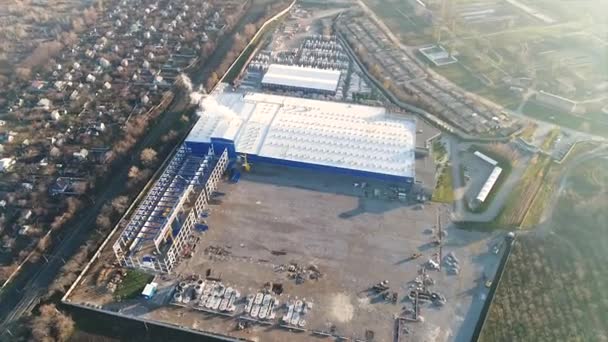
441,21
440,232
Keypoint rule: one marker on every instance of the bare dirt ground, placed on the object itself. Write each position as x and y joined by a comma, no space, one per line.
355,241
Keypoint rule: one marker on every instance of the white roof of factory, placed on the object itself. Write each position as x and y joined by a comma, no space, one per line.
486,158
311,131
489,184
302,77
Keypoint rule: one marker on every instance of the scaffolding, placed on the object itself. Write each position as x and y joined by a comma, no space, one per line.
159,229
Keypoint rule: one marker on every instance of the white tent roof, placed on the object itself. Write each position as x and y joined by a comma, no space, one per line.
325,133
302,77
489,184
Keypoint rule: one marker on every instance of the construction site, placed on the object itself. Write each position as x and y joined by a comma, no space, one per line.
233,242
288,218
291,253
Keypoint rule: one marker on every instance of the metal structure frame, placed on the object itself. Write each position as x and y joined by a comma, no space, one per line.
162,219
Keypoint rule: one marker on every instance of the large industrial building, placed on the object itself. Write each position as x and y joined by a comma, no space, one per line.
361,141
295,78
330,136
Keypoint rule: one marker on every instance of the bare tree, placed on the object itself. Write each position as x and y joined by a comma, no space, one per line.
51,325
148,156
120,204
23,74
183,82
170,136
211,81
103,221
249,30
43,53
134,172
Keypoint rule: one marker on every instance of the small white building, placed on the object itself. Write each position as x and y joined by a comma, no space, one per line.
44,103
149,290
82,155
104,63
6,164
24,229
55,115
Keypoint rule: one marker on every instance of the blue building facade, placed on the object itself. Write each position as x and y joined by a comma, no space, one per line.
221,144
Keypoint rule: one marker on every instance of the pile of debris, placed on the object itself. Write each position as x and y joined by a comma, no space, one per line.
218,251
103,275
424,280
452,263
299,272
115,280
432,264
382,289
427,296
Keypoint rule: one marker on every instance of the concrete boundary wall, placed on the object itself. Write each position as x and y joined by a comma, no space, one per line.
495,283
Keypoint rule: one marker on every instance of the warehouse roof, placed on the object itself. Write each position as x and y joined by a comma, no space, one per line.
486,158
489,184
301,77
332,134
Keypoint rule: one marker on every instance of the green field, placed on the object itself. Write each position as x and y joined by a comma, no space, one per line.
554,285
550,139
132,284
524,193
584,124
444,189
467,74
400,17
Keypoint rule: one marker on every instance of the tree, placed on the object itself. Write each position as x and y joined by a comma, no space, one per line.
183,82
120,204
103,221
136,176
207,49
43,53
170,136
249,30
134,172
148,156
23,74
238,43
211,81
51,325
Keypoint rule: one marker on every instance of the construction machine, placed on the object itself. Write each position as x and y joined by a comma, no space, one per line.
246,165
